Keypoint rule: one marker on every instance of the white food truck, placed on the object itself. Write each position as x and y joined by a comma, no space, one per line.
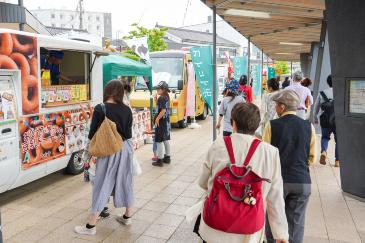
43,82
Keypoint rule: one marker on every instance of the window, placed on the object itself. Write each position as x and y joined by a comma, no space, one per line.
89,18
65,83
72,26
98,27
72,17
53,25
53,16
61,16
97,18
169,69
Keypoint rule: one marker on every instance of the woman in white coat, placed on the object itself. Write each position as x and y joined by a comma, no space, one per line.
265,163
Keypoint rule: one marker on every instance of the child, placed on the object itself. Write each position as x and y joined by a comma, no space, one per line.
89,161
162,125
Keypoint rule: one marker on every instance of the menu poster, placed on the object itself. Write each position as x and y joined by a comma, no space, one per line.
75,125
357,97
83,92
7,105
42,138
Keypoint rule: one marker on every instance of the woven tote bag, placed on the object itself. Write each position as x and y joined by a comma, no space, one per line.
106,141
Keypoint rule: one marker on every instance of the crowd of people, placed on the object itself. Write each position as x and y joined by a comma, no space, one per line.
272,173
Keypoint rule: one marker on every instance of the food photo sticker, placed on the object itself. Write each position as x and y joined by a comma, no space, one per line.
42,138
19,52
7,106
75,125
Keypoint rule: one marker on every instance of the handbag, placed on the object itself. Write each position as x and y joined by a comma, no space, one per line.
106,141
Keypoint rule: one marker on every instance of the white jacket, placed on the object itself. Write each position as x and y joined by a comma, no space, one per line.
266,164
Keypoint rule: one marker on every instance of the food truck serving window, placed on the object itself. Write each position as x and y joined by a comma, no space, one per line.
65,77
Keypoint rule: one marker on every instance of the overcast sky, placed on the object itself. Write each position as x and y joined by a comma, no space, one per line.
125,12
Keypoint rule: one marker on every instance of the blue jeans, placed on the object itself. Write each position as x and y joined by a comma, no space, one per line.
326,136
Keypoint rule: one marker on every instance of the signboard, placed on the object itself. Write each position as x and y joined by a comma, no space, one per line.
75,127
42,138
271,73
357,96
202,61
140,47
240,66
23,57
256,76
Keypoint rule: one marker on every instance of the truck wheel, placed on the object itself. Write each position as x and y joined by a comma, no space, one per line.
182,124
75,165
205,113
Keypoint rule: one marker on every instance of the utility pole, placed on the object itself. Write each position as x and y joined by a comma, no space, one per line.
214,72
249,61
21,25
81,12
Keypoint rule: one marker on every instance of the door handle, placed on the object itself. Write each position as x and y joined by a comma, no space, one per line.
6,130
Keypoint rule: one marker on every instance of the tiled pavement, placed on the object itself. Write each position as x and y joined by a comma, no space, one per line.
48,209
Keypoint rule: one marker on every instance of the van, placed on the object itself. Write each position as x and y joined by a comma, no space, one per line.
170,66
41,126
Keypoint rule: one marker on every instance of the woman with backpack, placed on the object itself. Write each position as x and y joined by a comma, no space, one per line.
245,89
242,177
114,173
226,106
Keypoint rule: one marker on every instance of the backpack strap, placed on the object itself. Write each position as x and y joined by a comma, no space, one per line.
228,142
324,96
255,143
103,108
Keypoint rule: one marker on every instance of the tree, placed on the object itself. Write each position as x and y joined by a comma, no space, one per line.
283,66
155,37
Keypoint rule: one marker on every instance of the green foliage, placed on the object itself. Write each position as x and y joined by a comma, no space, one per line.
283,66
131,55
155,37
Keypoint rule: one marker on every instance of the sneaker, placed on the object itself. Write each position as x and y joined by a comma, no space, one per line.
154,158
323,158
82,230
167,159
337,163
124,221
105,213
158,163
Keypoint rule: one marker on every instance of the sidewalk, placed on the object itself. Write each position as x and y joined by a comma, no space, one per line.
48,209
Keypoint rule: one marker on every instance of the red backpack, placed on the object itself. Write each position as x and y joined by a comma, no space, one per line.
235,204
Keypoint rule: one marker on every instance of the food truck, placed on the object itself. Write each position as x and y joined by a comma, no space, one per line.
170,66
41,126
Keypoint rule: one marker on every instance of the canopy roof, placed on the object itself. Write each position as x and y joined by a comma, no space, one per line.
119,65
281,28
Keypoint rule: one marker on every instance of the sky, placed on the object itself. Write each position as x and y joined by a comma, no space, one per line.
145,12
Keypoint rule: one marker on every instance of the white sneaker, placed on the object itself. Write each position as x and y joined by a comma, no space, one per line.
124,221
82,230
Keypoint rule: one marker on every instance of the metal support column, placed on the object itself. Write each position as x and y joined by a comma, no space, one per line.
262,70
214,72
317,77
249,61
21,25
291,69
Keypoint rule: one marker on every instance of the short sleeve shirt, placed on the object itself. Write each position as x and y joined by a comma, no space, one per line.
225,110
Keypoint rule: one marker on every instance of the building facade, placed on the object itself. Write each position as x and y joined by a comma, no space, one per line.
93,22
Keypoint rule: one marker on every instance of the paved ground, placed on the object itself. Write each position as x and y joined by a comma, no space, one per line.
48,209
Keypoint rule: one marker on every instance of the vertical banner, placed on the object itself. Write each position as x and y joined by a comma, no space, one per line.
140,47
240,66
256,76
271,73
202,61
190,100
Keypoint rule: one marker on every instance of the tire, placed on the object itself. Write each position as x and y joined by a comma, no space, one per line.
182,124
75,165
205,113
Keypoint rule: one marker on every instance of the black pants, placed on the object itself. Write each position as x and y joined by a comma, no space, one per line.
227,134
296,198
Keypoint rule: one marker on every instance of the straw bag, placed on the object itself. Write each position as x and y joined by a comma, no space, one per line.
106,141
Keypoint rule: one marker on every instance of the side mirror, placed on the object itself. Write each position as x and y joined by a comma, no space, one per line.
180,84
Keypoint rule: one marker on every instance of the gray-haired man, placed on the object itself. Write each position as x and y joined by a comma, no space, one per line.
295,139
303,92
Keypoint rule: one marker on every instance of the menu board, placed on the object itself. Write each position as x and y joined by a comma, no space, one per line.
7,102
63,94
75,126
357,96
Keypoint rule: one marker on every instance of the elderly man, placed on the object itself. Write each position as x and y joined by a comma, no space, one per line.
303,92
295,139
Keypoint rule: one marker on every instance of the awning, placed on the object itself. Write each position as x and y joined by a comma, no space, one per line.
281,28
119,65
